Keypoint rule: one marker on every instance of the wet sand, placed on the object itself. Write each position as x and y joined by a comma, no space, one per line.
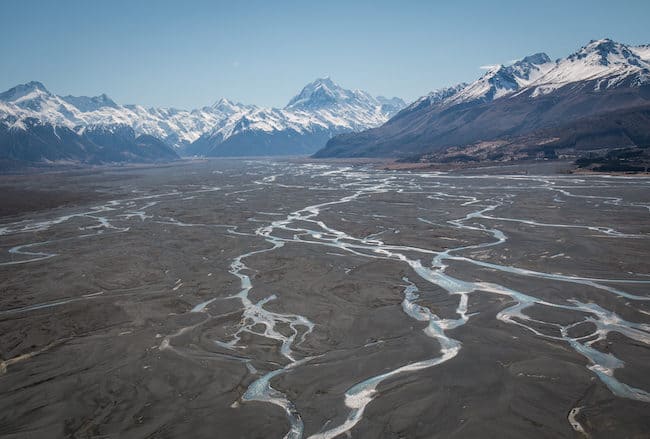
261,299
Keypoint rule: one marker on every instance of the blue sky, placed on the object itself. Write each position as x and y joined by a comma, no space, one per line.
190,53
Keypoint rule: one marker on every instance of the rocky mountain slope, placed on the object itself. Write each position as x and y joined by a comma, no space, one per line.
533,108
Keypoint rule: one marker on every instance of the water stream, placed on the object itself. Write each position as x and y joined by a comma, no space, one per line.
307,227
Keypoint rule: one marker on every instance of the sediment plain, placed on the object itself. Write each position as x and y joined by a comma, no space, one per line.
271,299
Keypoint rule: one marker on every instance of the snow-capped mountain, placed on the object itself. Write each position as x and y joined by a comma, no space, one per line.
604,63
321,110
176,127
31,140
502,80
434,98
87,104
609,63
498,81
529,95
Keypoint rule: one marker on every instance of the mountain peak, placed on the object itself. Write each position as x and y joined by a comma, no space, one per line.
325,81
36,85
322,92
529,68
222,101
22,90
536,58
440,94
500,80
90,103
228,107
605,52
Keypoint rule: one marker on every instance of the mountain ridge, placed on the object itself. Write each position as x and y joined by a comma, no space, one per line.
533,94
321,110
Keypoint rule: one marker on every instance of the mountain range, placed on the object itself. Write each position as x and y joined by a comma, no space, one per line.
321,110
597,98
37,125
584,105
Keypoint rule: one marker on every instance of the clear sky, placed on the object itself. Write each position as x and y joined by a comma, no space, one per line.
190,53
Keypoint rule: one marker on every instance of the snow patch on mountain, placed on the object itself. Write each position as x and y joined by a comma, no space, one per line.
642,52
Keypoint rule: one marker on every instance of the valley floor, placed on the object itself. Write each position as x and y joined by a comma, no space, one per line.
270,299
